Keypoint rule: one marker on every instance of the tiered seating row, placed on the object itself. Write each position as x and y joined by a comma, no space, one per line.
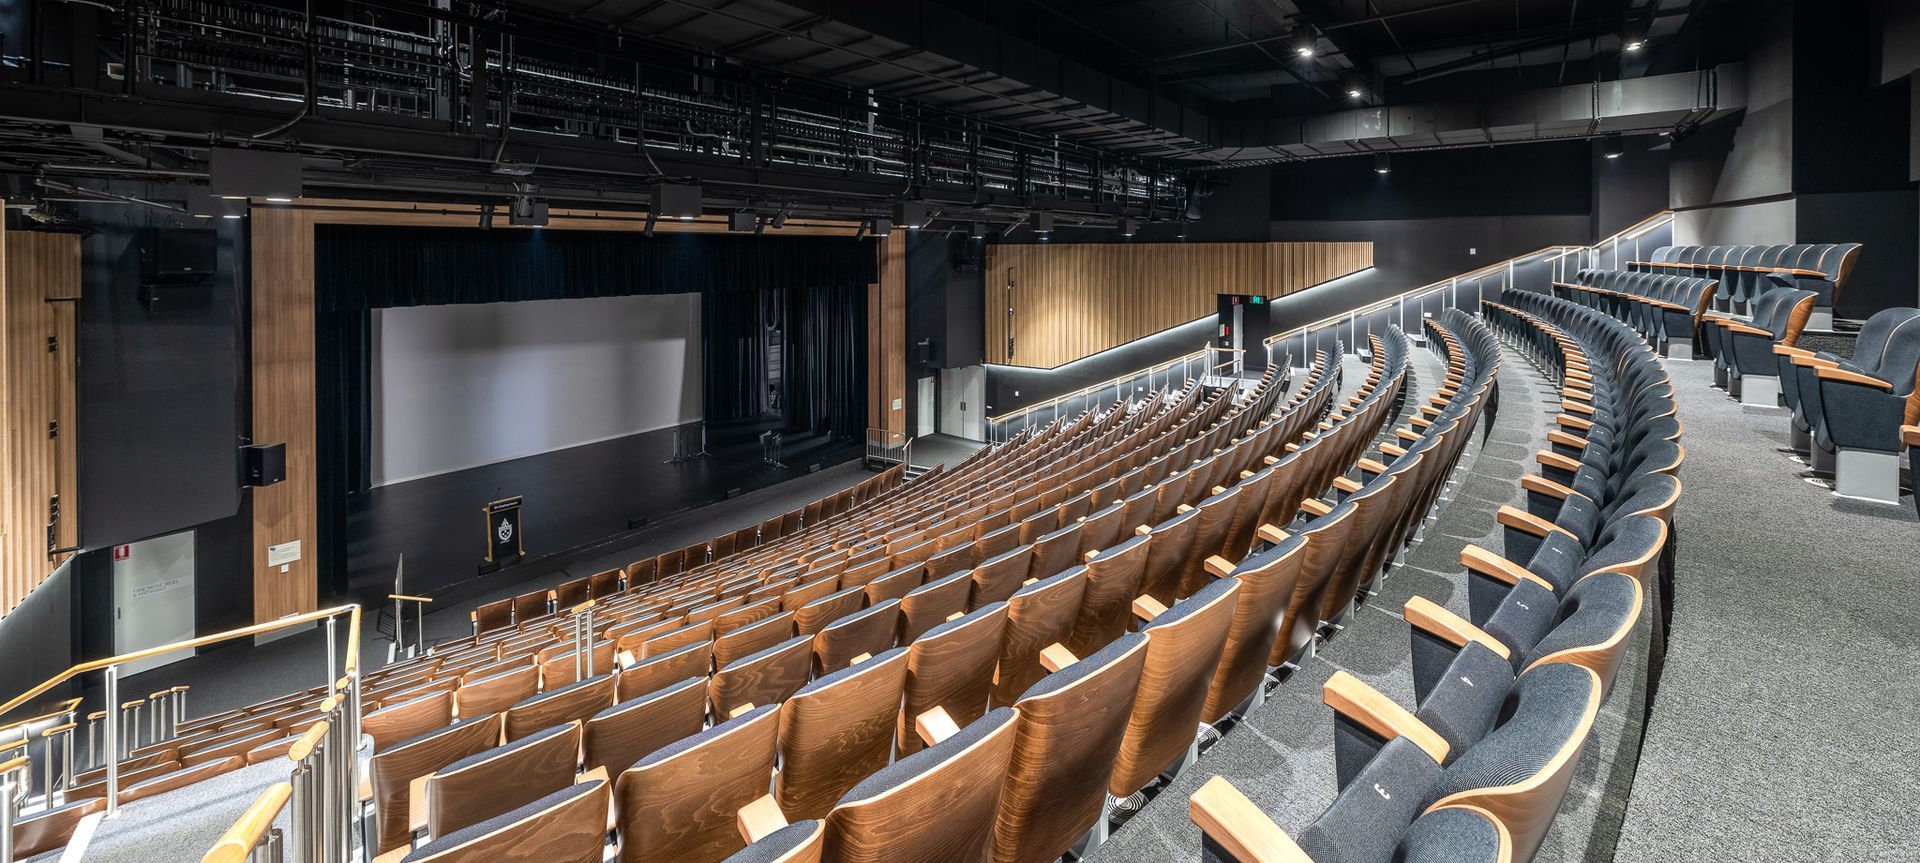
1746,272
1506,696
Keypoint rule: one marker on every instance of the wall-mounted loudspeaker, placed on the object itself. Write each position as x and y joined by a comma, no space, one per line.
265,464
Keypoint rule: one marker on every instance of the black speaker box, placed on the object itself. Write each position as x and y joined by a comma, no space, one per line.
266,463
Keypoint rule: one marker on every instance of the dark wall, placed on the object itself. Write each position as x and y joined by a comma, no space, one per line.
1629,188
1521,180
160,392
37,639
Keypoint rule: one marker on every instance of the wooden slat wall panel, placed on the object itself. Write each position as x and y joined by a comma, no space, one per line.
890,362
1071,300
39,277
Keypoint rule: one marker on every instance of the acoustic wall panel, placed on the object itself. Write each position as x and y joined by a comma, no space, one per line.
1059,302
39,282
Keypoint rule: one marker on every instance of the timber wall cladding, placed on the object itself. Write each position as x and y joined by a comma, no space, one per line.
1071,300
39,284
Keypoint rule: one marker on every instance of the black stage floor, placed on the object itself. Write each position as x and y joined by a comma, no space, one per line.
575,499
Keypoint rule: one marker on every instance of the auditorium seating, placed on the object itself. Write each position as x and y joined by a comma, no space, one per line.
1847,412
1743,271
1188,543
1742,351
1666,309
1477,771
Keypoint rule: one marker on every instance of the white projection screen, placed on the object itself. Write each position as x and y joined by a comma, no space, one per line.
459,386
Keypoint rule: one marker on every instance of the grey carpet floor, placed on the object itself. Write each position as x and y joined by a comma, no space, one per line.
1281,754
1783,725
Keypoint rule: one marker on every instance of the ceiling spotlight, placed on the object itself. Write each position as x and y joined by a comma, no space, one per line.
1635,45
1305,43
1183,230
1043,223
979,231
882,227
741,221
910,214
1616,146
1633,37
1128,227
780,219
1355,93
1382,163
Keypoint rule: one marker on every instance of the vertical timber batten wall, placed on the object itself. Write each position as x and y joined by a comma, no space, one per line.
39,284
1072,300
887,338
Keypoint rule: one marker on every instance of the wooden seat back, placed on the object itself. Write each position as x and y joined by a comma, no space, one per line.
836,731
935,806
1183,649
767,677
496,693
951,667
478,787
409,719
652,673
1106,606
679,803
571,703
1038,615
393,769
870,632
620,735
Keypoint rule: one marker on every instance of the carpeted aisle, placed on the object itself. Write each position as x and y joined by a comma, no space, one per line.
1783,725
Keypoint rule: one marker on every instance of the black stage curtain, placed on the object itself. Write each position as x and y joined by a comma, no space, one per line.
733,346
824,357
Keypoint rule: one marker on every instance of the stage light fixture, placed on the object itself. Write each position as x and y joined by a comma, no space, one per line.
1128,227
979,231
646,230
741,221
910,214
759,227
1184,227
525,212
1382,163
1633,37
677,200
780,219
1043,223
201,204
882,227
1616,146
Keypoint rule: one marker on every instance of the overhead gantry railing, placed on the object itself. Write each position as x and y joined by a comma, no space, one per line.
324,776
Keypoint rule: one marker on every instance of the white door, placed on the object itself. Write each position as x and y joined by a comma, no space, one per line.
153,598
962,413
924,421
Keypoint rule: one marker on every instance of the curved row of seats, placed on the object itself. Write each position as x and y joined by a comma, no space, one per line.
1849,416
1746,272
1666,309
1504,698
848,719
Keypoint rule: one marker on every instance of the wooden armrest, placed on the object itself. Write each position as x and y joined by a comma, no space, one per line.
1363,704
1840,375
1813,362
1147,608
1545,486
1315,506
1747,330
1182,509
740,711
405,598
935,725
859,658
1910,435
1565,439
1527,522
1232,821
1216,489
1791,351
1577,394
759,819
1143,530
1371,466
1573,422
1089,556
1346,485
1219,566
1556,460
1431,618
1270,534
1056,656
1269,460
1408,435
1498,568
1392,450
1418,423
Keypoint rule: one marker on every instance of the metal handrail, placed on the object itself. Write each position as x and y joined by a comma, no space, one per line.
331,770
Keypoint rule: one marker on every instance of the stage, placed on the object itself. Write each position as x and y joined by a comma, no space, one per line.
576,500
